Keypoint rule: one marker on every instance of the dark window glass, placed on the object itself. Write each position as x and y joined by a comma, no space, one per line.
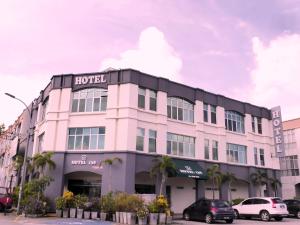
259,126
174,113
253,124
220,204
141,98
213,114
169,111
205,112
81,105
180,114
103,103
74,105
153,97
247,202
96,107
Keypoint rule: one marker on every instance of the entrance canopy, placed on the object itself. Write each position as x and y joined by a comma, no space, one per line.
191,169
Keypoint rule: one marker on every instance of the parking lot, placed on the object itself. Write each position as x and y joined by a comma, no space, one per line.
290,221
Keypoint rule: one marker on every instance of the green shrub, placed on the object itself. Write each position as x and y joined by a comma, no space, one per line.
60,203
80,201
108,203
153,206
134,202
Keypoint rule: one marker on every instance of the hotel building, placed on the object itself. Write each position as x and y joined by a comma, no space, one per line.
289,164
87,118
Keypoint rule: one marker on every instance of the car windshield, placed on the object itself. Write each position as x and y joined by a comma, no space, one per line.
220,204
277,200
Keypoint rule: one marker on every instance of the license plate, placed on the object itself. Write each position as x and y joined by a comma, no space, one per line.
226,217
282,206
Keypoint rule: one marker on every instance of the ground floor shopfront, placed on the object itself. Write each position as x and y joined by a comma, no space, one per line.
81,173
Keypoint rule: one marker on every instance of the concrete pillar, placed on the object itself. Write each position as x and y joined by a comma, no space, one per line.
55,188
122,175
200,189
251,189
224,191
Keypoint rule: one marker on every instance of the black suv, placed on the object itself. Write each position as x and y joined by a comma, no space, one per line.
293,206
209,211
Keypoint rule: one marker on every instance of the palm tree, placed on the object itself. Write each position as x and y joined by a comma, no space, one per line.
230,177
274,184
163,166
41,160
259,178
215,176
109,163
17,164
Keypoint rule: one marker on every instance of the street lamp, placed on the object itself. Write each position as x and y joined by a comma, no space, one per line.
24,167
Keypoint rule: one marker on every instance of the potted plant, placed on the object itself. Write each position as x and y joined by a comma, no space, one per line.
153,212
142,214
87,210
59,205
80,201
108,208
169,215
134,202
162,204
68,197
72,206
95,207
121,204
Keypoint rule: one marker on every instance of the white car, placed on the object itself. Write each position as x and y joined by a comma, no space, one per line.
263,207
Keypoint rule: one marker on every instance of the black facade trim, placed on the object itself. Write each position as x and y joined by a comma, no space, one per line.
172,89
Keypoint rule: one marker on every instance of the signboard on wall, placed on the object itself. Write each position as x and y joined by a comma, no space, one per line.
278,131
83,161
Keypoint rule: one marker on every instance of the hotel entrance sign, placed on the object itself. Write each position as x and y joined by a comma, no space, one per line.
278,131
91,79
83,161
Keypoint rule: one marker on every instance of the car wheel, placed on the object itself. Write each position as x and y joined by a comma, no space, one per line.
229,221
298,214
208,218
236,214
1,208
265,215
186,216
278,218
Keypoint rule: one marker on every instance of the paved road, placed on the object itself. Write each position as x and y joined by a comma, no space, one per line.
287,221
13,220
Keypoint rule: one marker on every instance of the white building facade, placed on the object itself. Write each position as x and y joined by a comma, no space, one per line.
289,164
87,118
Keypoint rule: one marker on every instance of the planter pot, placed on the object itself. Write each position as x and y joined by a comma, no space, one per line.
80,213
121,217
114,217
66,213
73,213
131,218
117,217
103,216
153,218
87,214
58,213
94,215
124,217
142,221
169,219
33,215
162,218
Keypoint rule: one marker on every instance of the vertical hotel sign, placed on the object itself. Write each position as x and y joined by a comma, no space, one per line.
278,131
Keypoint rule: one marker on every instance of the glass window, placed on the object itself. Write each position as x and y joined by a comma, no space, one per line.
206,148
215,154
86,138
152,141
140,139
259,126
253,123
179,109
153,100
89,100
44,110
255,156
41,142
141,98
236,153
234,122
180,145
262,157
205,112
213,114
289,165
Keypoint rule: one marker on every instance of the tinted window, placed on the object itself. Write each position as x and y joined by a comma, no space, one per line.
247,202
220,204
277,200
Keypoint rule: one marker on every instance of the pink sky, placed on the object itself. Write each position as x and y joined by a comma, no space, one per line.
247,50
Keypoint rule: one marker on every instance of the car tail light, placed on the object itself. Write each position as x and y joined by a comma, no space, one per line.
273,203
214,209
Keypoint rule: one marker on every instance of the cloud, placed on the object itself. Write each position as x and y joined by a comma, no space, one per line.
25,88
276,76
153,55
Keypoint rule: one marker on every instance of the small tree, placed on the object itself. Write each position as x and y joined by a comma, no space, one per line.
42,160
274,182
109,163
163,166
259,178
215,175
2,128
